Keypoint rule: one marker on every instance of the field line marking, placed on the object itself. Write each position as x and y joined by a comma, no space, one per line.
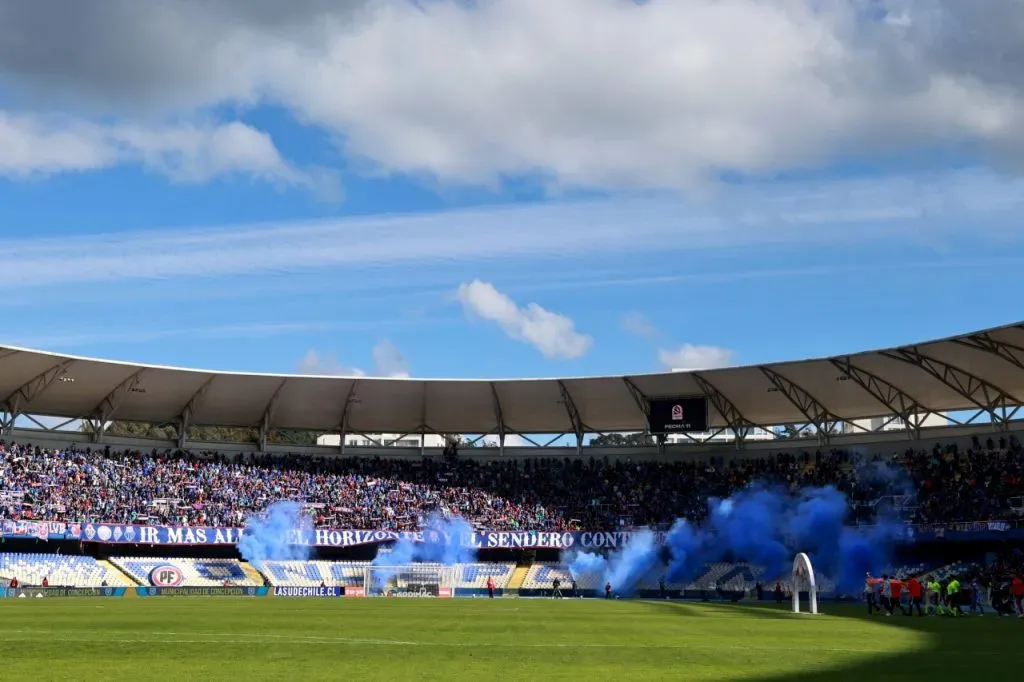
249,638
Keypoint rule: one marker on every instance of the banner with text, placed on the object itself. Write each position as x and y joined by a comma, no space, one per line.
323,537
37,592
321,592
105,533
201,591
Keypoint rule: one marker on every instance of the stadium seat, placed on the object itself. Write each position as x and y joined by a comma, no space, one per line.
59,570
195,572
313,573
474,576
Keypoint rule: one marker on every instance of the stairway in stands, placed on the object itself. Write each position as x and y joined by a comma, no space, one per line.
516,581
254,574
128,580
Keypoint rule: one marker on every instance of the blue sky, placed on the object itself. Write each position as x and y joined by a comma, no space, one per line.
460,202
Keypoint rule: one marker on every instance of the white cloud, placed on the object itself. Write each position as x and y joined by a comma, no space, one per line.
691,357
600,93
636,323
33,146
514,440
388,361
684,357
108,336
553,334
880,210
315,363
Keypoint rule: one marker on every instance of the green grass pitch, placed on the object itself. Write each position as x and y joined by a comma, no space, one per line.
476,639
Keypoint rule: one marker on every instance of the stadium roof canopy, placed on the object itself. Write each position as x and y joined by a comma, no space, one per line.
981,371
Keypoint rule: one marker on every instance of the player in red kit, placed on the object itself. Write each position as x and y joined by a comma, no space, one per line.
490,587
916,592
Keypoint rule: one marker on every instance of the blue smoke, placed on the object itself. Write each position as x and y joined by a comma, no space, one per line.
748,525
586,564
442,544
271,537
685,545
767,526
624,570
635,562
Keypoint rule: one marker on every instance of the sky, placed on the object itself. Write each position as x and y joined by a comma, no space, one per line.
506,188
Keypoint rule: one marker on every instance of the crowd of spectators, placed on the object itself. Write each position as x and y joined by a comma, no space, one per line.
176,488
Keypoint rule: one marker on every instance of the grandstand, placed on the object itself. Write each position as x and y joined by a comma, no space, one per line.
60,571
313,573
470,578
170,495
194,572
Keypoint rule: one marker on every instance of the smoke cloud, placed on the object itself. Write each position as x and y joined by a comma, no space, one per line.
442,544
271,537
624,570
766,526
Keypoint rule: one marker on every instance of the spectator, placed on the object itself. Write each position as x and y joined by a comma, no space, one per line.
208,489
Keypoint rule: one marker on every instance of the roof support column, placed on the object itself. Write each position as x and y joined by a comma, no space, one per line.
185,416
349,399
899,403
423,421
816,413
104,412
740,425
987,397
574,417
268,416
500,417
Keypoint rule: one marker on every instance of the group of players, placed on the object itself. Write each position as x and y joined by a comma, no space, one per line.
942,597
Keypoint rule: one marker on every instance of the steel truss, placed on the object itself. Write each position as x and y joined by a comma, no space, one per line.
902,405
734,419
423,422
105,410
1000,406
1010,352
499,415
644,404
578,427
21,397
8,352
820,417
185,415
350,398
638,397
268,415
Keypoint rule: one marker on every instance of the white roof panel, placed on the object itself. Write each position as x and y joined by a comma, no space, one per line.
985,359
460,407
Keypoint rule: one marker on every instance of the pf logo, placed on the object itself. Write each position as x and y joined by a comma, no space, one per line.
677,413
166,576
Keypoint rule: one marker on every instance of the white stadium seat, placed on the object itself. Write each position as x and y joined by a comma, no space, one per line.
59,571
195,572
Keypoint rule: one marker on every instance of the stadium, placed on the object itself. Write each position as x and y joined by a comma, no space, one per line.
511,339
92,520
